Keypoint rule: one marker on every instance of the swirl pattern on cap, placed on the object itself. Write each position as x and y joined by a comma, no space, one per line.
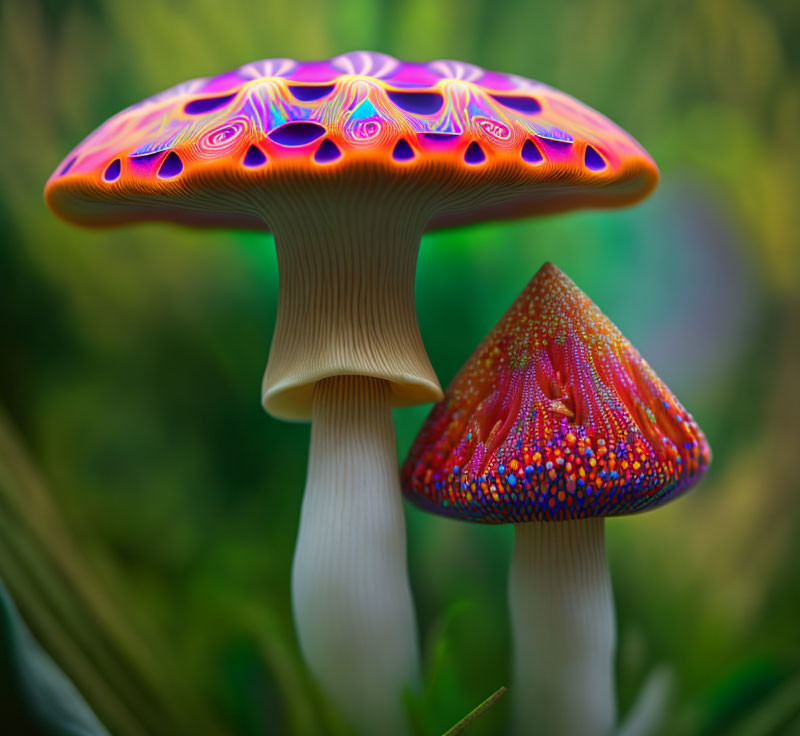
366,104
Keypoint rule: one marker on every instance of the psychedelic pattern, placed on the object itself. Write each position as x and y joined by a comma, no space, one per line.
555,416
280,115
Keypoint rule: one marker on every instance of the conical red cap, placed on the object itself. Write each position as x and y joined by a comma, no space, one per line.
554,416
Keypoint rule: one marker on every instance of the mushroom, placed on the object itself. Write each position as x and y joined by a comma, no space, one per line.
347,162
554,423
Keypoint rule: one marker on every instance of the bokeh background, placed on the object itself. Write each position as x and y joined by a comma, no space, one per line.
148,505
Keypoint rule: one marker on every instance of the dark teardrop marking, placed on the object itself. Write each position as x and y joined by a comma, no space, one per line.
531,153
171,167
418,103
68,166
474,154
593,160
297,134
310,92
207,104
112,171
402,151
328,151
254,157
527,105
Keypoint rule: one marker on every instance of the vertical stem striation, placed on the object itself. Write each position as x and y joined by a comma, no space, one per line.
352,600
346,304
562,617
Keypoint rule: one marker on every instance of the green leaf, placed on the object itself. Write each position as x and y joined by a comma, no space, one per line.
125,673
37,697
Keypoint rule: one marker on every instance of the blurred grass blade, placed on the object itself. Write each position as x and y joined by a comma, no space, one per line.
646,716
36,695
778,714
80,623
443,697
307,712
477,713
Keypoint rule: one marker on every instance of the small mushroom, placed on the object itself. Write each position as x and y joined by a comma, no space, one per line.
347,162
554,423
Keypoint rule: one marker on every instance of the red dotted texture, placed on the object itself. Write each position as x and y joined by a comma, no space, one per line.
555,416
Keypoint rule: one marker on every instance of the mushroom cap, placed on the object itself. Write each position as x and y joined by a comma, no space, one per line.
555,416
207,151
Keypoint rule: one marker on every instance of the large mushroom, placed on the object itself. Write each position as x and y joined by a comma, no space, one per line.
554,423
347,162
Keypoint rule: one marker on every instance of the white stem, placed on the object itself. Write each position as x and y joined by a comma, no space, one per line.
562,617
351,596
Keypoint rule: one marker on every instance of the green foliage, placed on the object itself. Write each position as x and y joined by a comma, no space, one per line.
35,696
473,715
146,531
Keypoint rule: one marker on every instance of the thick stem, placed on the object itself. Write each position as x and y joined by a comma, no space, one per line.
562,617
347,264
352,600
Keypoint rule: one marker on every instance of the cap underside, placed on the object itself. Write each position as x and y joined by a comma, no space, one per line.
293,400
555,416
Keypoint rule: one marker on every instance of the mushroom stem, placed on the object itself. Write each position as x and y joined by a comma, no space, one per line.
562,617
351,596
347,263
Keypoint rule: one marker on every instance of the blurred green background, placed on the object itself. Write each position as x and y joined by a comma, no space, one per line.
148,505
